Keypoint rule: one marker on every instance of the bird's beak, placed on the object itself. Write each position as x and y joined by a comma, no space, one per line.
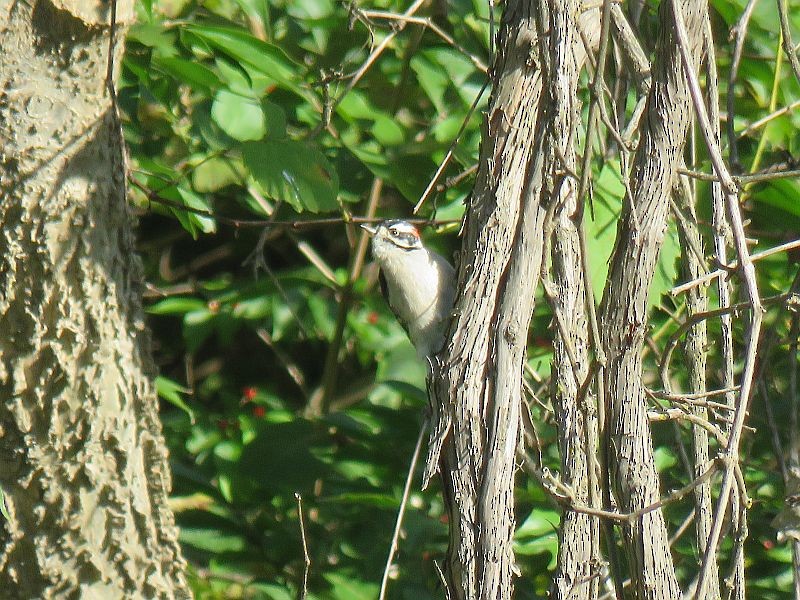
369,229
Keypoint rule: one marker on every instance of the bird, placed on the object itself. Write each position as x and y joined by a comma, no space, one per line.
417,283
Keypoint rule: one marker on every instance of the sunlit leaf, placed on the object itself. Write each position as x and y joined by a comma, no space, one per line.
172,391
293,172
238,116
257,54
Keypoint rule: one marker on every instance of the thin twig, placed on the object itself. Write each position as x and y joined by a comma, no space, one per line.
709,314
450,150
770,117
306,558
370,60
564,495
748,274
291,367
760,177
402,511
788,44
295,224
320,399
427,22
676,414
677,290
597,91
741,33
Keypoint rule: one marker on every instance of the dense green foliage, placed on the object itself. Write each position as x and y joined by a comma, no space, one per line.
283,371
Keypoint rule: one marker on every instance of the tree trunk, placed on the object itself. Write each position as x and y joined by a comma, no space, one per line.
84,467
476,391
641,229
577,574
477,381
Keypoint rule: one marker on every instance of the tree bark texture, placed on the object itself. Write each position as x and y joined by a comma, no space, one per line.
640,234
83,465
476,381
693,266
578,561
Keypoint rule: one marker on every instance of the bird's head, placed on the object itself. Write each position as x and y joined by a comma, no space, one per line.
389,236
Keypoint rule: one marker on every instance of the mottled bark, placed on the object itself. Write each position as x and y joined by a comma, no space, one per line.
83,464
577,574
624,309
477,381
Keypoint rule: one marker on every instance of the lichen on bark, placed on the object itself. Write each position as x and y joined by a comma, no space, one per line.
83,465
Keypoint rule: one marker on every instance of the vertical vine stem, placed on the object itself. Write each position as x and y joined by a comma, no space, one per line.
738,510
741,32
730,192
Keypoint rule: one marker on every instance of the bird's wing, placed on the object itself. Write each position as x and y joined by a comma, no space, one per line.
385,292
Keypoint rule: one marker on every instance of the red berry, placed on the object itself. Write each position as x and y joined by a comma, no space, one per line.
259,411
250,393
372,318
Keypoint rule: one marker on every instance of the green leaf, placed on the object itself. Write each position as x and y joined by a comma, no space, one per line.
189,72
538,534
602,230
178,195
349,587
3,507
356,105
196,221
459,70
253,52
254,308
388,132
197,326
545,543
539,522
212,539
293,172
433,80
171,391
176,306
154,36
781,196
323,315
215,173
238,116
664,458
365,499
666,269
273,591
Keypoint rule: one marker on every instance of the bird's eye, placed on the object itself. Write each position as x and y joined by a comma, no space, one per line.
394,231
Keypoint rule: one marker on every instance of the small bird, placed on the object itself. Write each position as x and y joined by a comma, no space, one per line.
418,284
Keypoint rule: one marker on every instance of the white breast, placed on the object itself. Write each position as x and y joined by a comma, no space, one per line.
420,285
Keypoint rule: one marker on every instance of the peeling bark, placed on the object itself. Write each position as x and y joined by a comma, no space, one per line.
624,309
577,574
477,379
476,382
84,467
